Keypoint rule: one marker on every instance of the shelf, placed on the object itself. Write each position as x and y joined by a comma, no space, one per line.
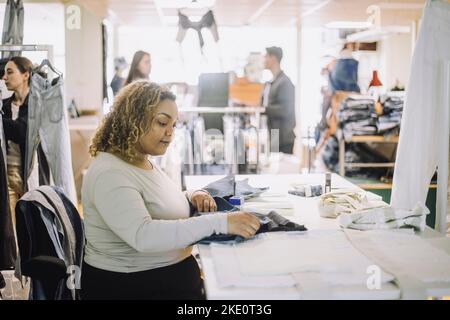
364,139
370,165
376,34
379,139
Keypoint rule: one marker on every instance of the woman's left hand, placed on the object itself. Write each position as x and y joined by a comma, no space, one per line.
203,201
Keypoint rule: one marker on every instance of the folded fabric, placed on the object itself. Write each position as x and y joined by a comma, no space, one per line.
307,190
335,203
228,187
385,218
271,222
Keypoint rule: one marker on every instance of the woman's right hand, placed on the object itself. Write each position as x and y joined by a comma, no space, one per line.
242,224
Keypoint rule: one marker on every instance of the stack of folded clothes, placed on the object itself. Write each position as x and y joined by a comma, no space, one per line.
389,122
357,116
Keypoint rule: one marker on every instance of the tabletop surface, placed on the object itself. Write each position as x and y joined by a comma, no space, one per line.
305,211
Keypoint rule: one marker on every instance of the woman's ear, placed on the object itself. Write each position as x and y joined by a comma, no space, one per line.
27,76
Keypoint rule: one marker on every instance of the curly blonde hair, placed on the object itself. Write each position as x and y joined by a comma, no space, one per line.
130,118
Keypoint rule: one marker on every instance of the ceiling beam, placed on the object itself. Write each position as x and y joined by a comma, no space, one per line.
259,12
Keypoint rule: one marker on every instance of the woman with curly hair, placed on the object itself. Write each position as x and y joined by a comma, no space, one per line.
138,230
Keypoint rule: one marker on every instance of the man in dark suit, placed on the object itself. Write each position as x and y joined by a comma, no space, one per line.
279,98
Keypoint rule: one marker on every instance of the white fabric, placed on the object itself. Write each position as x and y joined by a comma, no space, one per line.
385,218
416,264
335,203
138,219
320,253
13,155
422,121
228,275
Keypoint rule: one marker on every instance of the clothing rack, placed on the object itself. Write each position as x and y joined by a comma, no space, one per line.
30,47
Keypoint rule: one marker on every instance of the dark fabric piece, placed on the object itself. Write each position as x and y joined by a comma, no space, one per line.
2,281
8,250
330,155
117,83
16,130
272,222
281,111
344,76
37,249
228,187
3,63
76,221
207,21
180,281
104,57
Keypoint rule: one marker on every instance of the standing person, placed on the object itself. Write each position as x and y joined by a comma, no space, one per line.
15,122
279,98
140,68
139,234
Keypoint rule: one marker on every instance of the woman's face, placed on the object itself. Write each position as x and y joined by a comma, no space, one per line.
160,135
14,79
145,65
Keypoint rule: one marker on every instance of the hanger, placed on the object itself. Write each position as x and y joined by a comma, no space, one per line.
47,62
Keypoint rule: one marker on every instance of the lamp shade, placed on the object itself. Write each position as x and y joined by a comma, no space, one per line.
375,82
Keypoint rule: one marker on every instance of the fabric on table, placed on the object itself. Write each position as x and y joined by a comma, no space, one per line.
271,222
327,253
385,218
225,188
416,263
335,203
228,275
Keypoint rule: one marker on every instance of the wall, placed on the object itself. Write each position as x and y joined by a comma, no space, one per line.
395,60
84,61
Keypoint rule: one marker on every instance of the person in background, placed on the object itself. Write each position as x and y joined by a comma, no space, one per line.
279,98
118,80
343,72
140,68
139,233
15,122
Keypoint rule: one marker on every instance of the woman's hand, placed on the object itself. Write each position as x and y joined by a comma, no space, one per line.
203,202
243,224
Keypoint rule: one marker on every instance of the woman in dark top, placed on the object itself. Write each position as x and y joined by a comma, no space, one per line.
15,122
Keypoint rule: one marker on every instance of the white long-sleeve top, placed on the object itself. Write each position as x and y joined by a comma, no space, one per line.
137,219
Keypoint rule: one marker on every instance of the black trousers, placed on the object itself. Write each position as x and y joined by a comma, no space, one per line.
180,281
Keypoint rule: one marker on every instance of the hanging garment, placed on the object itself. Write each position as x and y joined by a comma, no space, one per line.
207,21
13,26
49,229
385,218
422,123
48,123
